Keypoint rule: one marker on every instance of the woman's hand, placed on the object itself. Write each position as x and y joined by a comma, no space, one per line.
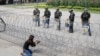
37,41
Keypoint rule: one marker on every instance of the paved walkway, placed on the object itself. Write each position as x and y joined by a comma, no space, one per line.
9,49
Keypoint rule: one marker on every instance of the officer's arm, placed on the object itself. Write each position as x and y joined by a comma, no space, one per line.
89,18
39,12
60,14
49,13
81,17
44,13
34,13
54,13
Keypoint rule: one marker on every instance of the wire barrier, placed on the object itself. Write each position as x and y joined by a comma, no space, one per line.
53,42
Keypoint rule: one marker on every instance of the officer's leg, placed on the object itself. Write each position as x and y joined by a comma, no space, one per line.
56,24
59,25
48,23
71,27
35,21
45,22
89,30
39,22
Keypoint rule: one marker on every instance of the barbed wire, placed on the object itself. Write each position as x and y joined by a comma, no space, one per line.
53,42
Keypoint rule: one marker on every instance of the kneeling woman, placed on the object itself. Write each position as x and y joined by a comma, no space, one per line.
29,42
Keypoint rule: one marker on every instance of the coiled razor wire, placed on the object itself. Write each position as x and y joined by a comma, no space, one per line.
2,25
53,42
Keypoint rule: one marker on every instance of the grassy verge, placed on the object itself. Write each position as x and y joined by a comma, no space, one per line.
43,5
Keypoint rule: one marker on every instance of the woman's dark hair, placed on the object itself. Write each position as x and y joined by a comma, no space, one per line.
31,37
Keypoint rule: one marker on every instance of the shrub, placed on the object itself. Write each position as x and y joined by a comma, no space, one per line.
78,7
83,3
62,6
69,7
96,9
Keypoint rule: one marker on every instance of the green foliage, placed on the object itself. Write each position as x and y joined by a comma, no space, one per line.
82,3
41,6
96,9
62,6
78,7
69,7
